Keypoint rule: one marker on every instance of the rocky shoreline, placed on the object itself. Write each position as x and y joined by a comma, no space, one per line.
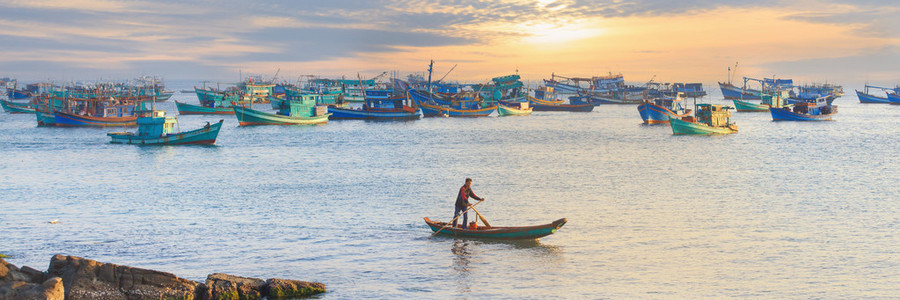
71,277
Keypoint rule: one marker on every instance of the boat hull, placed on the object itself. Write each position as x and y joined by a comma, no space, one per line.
248,117
45,118
781,114
744,106
14,94
680,127
338,113
164,96
867,98
15,108
504,110
69,120
538,106
505,233
431,110
190,109
598,100
202,136
655,114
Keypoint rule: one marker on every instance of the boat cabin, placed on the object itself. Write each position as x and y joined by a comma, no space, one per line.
713,115
299,103
154,123
384,99
819,107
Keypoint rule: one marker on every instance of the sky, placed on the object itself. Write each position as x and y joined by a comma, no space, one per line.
836,41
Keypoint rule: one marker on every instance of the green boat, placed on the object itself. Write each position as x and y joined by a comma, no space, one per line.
708,119
154,128
522,110
16,108
768,100
298,109
506,233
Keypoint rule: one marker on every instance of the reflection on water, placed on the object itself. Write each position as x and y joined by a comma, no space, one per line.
461,261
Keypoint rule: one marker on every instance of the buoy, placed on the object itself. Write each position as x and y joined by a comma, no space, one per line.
54,221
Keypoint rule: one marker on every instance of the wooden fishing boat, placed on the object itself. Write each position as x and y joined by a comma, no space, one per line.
707,119
894,98
806,111
299,109
772,99
16,108
519,110
524,232
62,119
660,111
379,105
190,109
154,128
248,117
538,106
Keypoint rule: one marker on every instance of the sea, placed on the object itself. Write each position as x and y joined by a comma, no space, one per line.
777,210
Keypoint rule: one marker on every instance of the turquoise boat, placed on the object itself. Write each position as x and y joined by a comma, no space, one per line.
708,119
299,109
16,108
506,233
774,99
521,110
154,128
190,109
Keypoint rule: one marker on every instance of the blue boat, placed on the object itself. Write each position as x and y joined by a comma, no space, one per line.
661,110
154,128
814,92
867,97
894,98
431,108
13,94
819,110
379,105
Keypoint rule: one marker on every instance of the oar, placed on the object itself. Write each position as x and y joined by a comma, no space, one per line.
457,217
483,220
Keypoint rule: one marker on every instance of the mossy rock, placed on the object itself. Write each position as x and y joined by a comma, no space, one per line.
283,289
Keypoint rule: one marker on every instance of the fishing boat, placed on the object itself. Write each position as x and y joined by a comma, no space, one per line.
707,119
545,99
820,110
154,128
814,92
661,110
299,109
17,108
428,102
212,102
506,233
522,109
604,89
775,99
379,105
894,98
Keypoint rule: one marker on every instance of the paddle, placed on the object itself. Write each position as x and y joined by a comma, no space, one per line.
483,220
457,217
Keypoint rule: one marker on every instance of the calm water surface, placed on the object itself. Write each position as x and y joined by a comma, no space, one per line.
779,210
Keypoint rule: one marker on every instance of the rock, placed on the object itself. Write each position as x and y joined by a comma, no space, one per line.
224,286
283,288
33,274
90,279
52,289
9,272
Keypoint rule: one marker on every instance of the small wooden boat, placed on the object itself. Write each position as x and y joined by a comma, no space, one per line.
771,99
707,119
154,128
520,110
524,232
16,108
542,105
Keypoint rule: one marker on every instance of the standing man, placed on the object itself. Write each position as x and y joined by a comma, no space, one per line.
462,202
